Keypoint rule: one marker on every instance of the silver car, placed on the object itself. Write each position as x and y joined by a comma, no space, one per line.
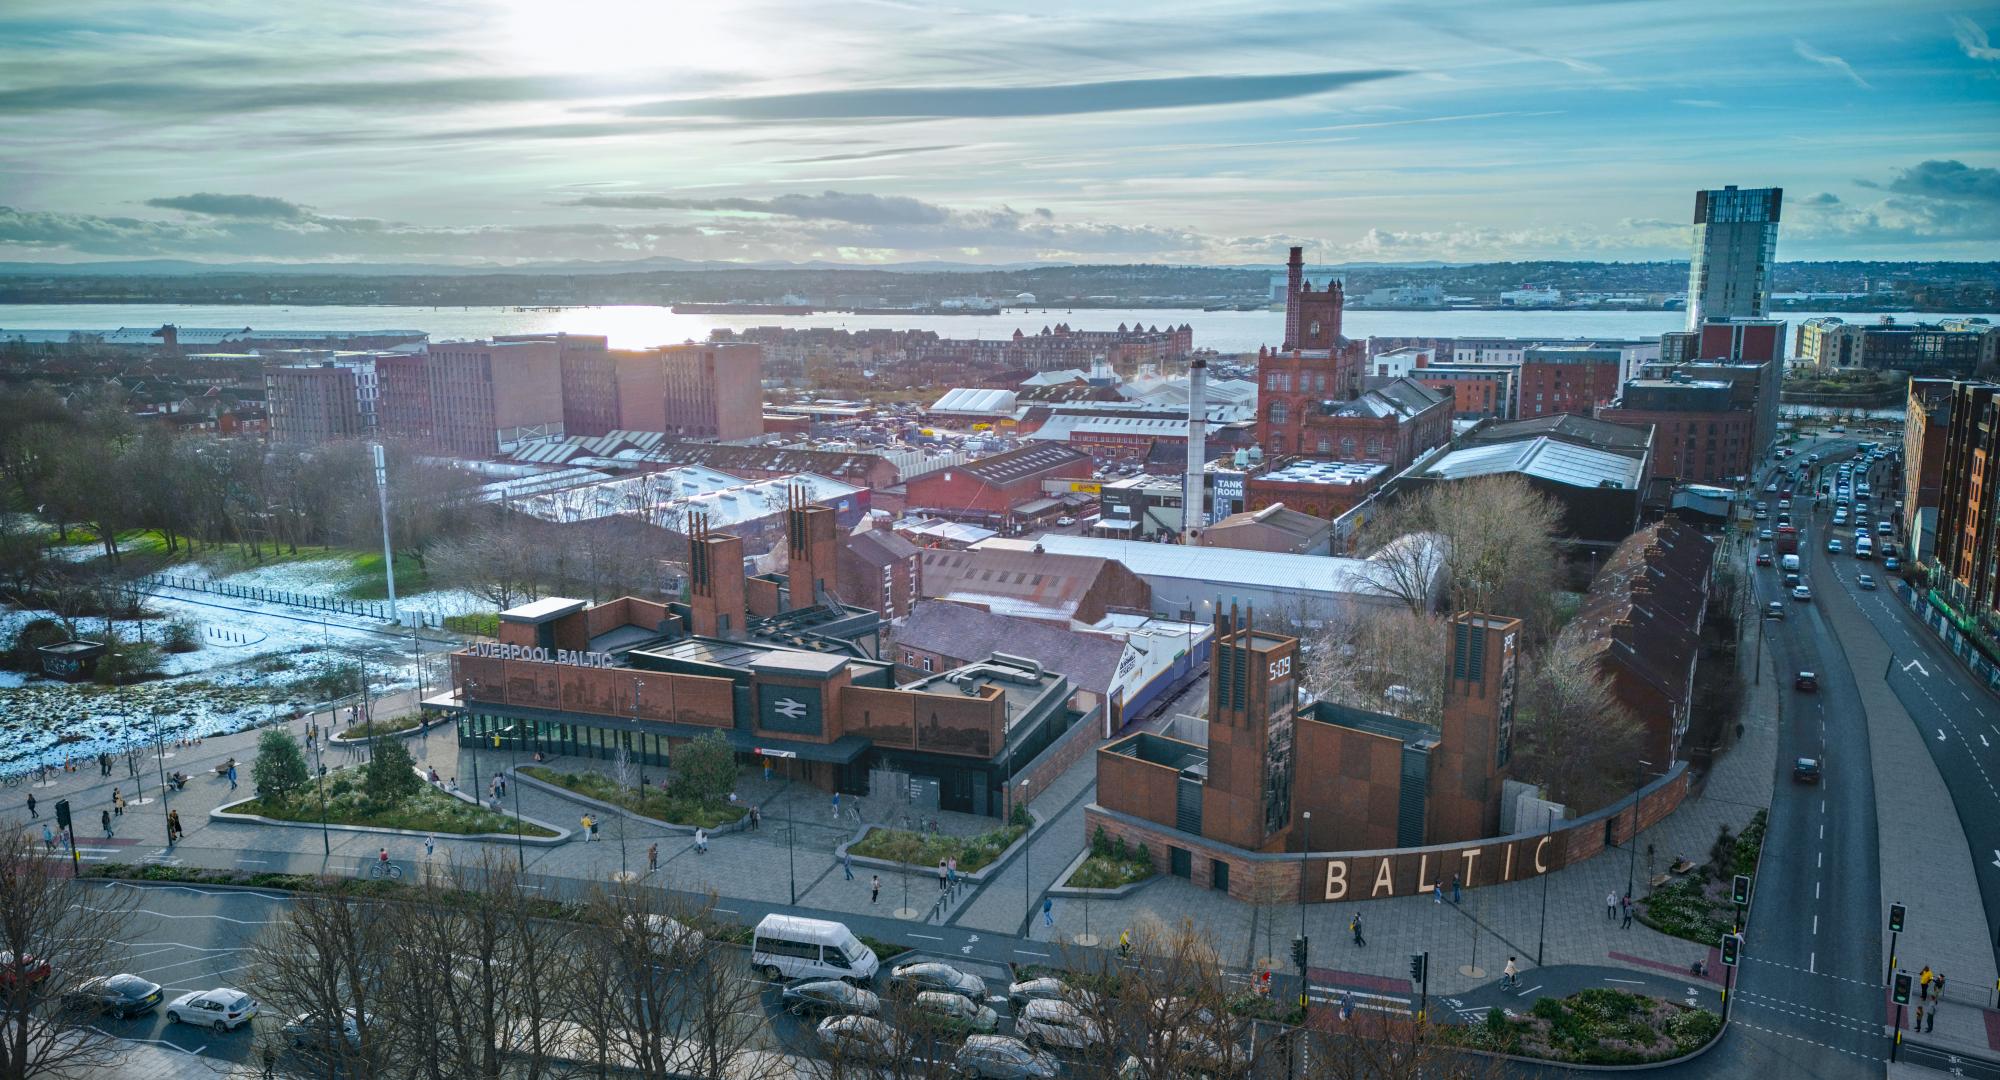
1057,1024
997,1057
930,975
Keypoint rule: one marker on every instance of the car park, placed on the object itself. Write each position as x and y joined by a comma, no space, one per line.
829,997
224,1009
956,1011
1866,581
119,995
997,1057
858,1038
1806,681
1806,770
930,975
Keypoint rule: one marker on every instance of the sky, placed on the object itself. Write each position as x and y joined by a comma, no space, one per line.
883,131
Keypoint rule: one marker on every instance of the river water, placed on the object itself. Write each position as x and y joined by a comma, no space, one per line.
641,326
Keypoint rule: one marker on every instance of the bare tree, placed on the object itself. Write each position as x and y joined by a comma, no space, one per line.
1160,1000
1382,659
1371,1045
1576,738
326,963
53,939
1497,535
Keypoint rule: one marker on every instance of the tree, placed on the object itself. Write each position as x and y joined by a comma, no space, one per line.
1167,1005
326,959
281,764
705,768
42,921
1576,738
1378,1046
391,773
1389,660
1498,540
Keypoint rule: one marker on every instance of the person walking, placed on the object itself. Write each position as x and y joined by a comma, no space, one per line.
48,838
593,828
107,823
1124,943
1924,984
1937,986
173,826
1611,905
756,819
836,806
847,864
1456,895
951,870
232,776
943,882
701,841
32,814
430,845
117,803
1437,893
874,887
1626,901
1354,925
1048,911
653,858
1919,1025
1930,1022
1510,976
588,832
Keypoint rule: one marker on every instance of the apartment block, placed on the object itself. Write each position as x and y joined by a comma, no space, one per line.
486,397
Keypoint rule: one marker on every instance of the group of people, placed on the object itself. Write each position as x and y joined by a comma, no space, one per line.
1930,994
1615,906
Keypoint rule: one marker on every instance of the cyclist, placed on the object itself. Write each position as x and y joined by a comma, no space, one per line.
384,858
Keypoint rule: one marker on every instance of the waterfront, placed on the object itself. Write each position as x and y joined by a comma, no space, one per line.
642,326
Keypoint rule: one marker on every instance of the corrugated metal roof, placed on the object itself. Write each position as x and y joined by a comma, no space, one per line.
1542,457
977,400
1218,568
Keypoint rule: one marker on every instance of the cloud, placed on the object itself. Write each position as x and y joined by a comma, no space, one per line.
859,209
1699,103
1828,60
869,155
1972,38
982,102
203,97
1949,180
234,206
1824,198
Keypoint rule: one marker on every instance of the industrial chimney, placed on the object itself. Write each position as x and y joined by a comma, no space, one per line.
1197,450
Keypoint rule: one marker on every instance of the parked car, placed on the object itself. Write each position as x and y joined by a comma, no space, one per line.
997,1057
308,1032
1806,681
930,975
1866,581
1058,1024
119,995
1806,770
957,1011
1206,1054
1065,521
1047,988
224,1008
858,1038
830,997
26,969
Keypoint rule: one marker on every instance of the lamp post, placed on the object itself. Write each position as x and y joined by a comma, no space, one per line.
1307,816
1027,853
160,756
325,838
1632,863
1543,937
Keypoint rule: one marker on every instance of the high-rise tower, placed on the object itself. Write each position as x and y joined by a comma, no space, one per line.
1735,249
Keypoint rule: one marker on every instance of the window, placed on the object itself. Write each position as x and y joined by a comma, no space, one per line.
927,664
1279,413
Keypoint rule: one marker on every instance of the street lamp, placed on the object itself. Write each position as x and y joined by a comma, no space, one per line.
1632,864
1303,854
1027,852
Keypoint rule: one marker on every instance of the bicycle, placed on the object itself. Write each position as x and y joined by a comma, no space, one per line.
385,870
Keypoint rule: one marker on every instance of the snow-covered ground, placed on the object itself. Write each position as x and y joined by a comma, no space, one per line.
331,578
251,655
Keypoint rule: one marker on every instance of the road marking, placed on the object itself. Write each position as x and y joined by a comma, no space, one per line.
1941,737
1822,861
1984,743
1812,962
1629,982
1529,990
1815,925
1918,666
927,937
727,911
1024,952
1996,856
1815,890
1822,830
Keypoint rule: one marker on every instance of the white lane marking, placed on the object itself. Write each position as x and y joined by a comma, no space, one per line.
164,915
1812,962
1984,743
1529,990
728,911
1632,982
1919,666
1996,856
1815,925
1822,861
1024,952
1822,831
927,937
1815,890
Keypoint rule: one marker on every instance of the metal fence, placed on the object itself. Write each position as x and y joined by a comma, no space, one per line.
1951,636
330,605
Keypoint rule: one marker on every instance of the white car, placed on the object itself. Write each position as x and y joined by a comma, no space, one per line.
223,1008
1802,592
1833,545
1065,521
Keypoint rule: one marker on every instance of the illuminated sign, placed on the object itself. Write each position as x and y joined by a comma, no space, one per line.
493,650
1086,487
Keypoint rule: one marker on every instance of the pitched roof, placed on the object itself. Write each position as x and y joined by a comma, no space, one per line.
1642,617
1402,398
1543,458
967,633
1277,516
1042,586
881,547
1023,462
1630,439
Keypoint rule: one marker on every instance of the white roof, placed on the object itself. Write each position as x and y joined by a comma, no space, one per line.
1214,567
665,498
1055,378
975,400
1059,427
1543,458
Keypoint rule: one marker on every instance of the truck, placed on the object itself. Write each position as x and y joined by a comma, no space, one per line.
1787,540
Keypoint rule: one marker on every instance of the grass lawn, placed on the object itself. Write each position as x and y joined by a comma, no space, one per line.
655,804
972,853
1599,1026
1108,872
368,581
483,623
429,810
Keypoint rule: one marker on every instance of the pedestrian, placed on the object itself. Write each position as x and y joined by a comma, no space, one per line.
593,828
701,841
1354,924
1509,977
117,803
874,887
270,1061
32,814
1611,905
1937,986
847,864
232,776
1924,983
1048,911
836,806
1437,893
1627,902
430,844
48,838
173,825
1124,943
1930,1024
944,882
107,823
653,858
951,869
756,817
1456,895
587,830
1919,1025
767,770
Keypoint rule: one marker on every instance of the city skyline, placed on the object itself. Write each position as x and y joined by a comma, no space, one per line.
513,130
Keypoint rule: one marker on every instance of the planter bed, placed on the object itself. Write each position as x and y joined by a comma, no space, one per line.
602,792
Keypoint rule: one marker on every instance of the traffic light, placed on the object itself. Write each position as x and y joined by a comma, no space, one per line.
1902,988
1895,914
1299,953
62,813
1417,962
1730,943
1739,894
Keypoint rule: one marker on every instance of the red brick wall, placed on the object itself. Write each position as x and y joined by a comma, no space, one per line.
1069,748
1354,804
1136,787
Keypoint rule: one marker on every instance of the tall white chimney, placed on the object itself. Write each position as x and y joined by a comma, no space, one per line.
1192,517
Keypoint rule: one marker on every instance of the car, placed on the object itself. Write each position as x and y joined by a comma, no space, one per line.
1792,579
1806,770
830,997
1065,521
1806,681
859,1038
1207,1055
667,935
1833,545
224,1008
1774,610
997,1057
1761,515
1883,528
1802,592
1890,563
308,1032
1763,558
1764,534
119,995
930,975
24,970
1046,988
1058,1024
1866,581
956,1011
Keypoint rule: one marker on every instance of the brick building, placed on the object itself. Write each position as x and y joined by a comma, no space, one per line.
1952,347
1034,584
1926,426
1571,378
1477,391
485,397
1390,424
712,391
1323,489
988,490
1967,572
314,403
880,570
1705,430
404,409
1276,527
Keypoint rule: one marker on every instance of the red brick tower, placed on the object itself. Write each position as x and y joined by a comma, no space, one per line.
1477,731
813,540
715,581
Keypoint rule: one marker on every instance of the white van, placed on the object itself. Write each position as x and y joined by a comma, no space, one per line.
799,948
1789,563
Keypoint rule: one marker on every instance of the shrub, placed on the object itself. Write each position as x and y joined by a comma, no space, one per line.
1550,1009
391,773
1693,1028
704,769
281,765
1104,872
127,661
1019,816
180,636
1100,843
36,633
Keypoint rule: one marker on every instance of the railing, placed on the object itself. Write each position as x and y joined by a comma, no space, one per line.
1951,637
330,605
